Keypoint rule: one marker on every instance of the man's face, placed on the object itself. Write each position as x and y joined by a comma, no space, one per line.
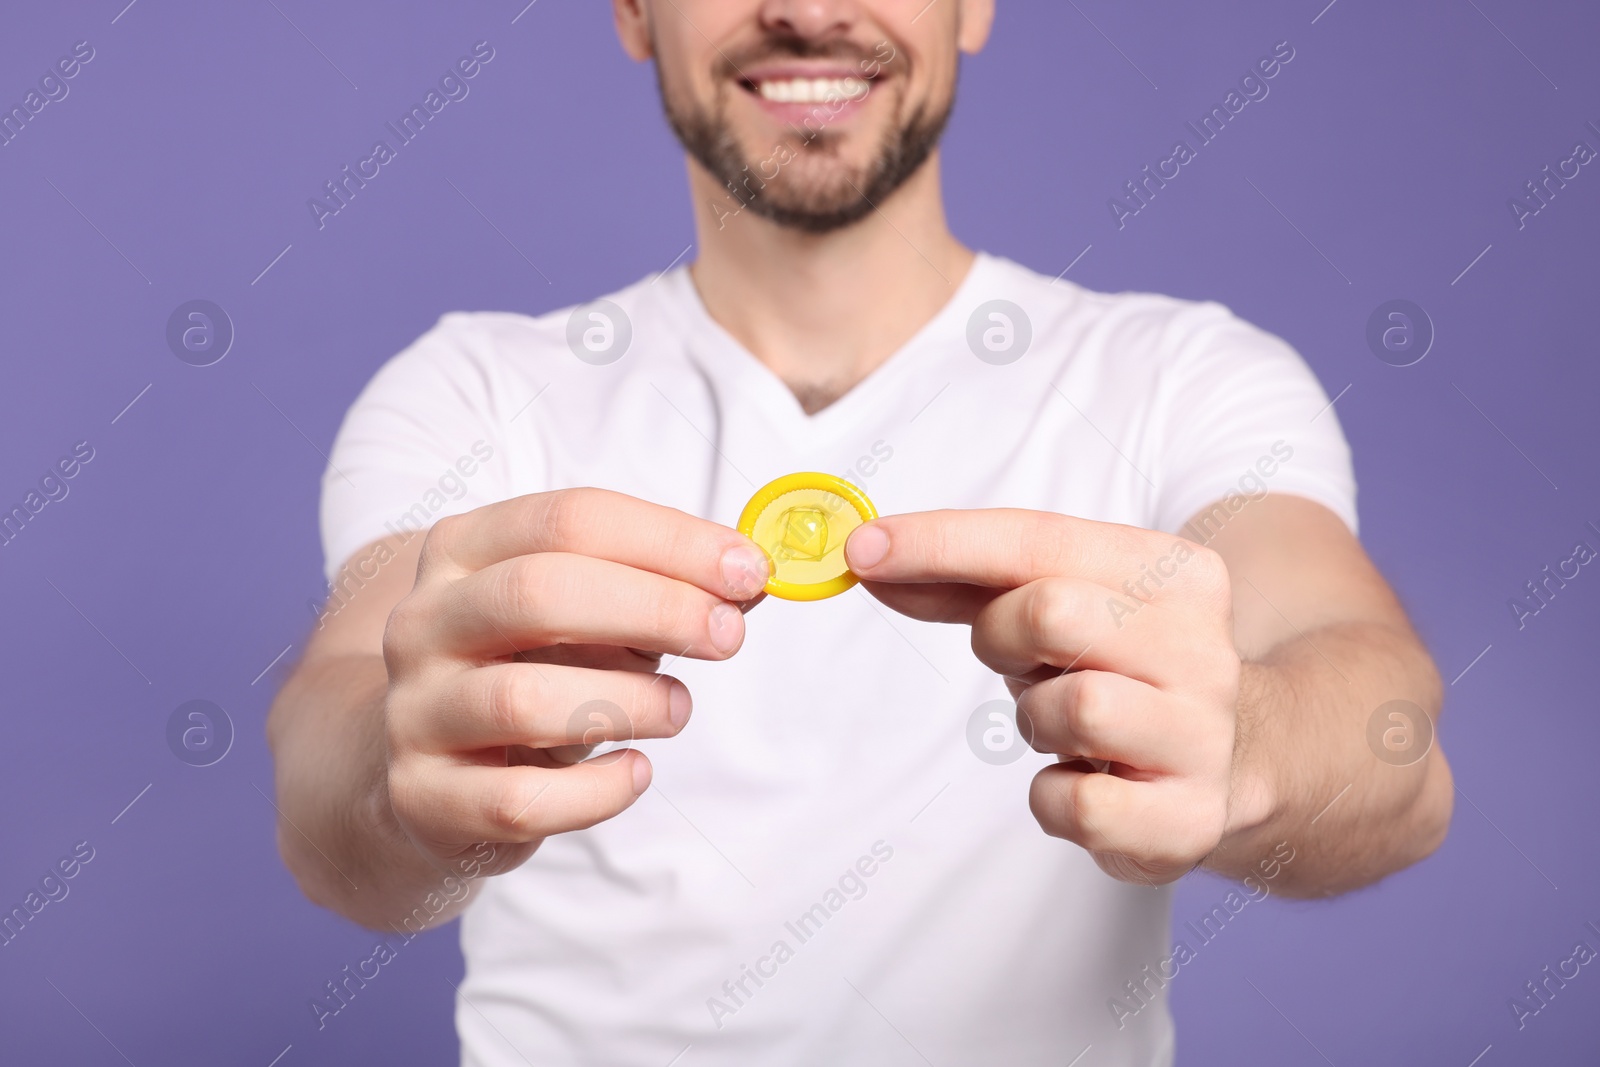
810,112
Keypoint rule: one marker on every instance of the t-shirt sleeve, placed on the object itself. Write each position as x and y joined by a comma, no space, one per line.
1244,416
420,442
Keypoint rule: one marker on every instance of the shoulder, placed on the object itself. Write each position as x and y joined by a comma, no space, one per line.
1130,325
476,354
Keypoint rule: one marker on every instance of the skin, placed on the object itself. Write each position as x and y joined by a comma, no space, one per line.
435,726
748,271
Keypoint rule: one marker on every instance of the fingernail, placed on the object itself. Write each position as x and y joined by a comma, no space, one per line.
678,704
726,626
641,774
744,570
866,547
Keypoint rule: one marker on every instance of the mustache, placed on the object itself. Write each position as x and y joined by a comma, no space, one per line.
868,61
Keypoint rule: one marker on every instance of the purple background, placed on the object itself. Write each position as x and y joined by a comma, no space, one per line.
186,552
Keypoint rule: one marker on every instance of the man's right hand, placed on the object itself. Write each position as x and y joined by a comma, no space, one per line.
533,633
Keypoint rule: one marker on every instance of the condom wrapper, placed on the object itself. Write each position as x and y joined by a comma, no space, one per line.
801,521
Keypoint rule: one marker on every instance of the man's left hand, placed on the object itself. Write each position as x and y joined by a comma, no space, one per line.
1117,644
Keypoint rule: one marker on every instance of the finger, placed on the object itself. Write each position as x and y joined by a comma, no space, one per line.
605,525
481,860
543,706
1005,548
556,598
1067,623
450,803
595,657
1104,716
999,547
1158,829
932,601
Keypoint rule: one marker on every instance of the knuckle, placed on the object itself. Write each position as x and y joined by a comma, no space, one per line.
399,724
1042,537
511,811
507,695
937,545
597,793
1049,613
402,633
1093,808
1057,804
1035,718
1091,708
668,618
524,588
646,709
680,536
1131,542
1196,836
552,517
588,798
1208,570
562,515
597,721
439,542
405,790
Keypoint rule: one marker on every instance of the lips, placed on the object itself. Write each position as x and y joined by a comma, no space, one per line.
797,89
808,95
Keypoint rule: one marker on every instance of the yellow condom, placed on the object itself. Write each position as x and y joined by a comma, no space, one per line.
802,521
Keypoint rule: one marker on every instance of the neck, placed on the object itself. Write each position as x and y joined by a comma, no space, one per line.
822,311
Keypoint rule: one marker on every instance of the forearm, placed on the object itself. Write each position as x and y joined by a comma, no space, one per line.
1306,775
336,830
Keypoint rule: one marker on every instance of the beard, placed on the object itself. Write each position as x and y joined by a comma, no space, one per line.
813,190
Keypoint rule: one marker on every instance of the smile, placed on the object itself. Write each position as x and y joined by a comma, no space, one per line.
795,90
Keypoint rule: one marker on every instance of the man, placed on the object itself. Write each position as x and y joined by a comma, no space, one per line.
835,862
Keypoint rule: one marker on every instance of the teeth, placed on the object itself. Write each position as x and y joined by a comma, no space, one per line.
811,90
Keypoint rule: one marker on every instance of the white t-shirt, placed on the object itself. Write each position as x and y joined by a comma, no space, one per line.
826,870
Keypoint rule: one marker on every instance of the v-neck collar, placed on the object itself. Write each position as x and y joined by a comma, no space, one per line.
736,368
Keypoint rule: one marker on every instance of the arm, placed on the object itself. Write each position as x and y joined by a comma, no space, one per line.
1205,703
336,832
1325,644
436,729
